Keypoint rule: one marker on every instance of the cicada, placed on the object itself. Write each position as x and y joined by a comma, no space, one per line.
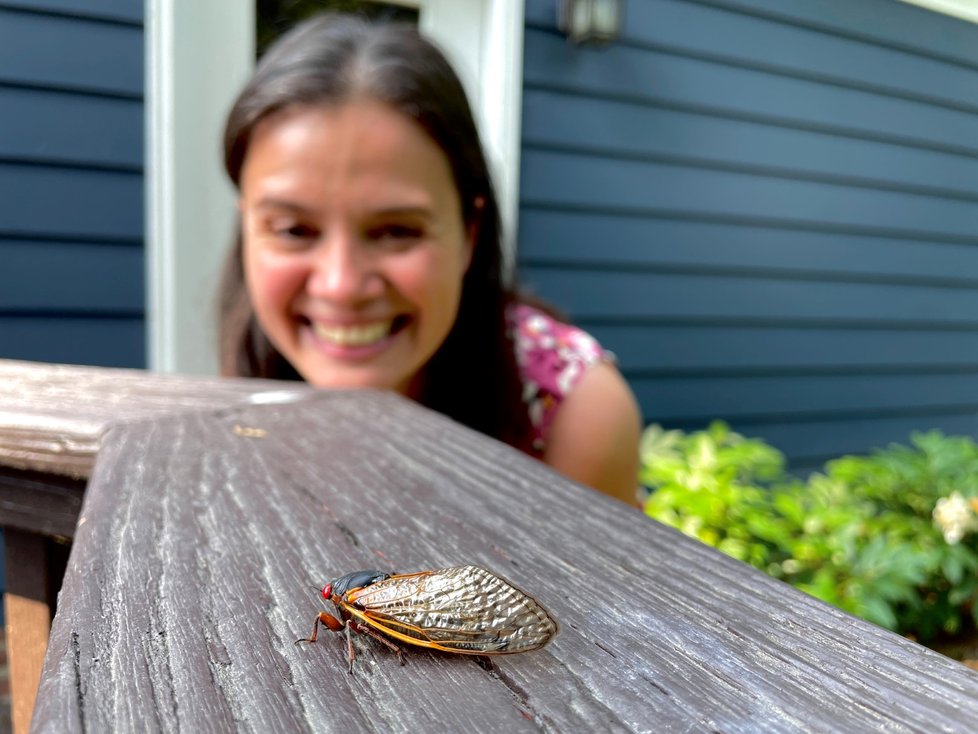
462,609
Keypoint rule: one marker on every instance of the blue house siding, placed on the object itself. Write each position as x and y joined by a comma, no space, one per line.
71,181
768,209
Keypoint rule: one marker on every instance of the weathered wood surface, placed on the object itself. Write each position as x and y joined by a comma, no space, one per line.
201,545
52,416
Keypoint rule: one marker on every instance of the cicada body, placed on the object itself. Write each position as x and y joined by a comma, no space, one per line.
462,609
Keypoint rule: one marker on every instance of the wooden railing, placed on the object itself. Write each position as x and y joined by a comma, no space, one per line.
52,420
212,511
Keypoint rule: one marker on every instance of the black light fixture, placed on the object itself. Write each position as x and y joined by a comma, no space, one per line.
590,22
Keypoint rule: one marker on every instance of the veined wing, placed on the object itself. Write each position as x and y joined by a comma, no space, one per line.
463,609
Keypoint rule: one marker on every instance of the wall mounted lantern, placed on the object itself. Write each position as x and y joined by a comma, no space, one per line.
590,22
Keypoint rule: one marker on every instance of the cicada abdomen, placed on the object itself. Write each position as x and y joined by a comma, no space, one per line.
462,609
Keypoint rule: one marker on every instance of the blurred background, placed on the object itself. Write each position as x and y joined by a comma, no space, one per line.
766,208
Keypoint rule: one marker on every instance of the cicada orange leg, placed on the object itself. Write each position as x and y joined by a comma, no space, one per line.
335,625
325,618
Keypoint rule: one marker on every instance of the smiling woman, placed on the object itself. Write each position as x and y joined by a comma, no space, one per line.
354,244
369,254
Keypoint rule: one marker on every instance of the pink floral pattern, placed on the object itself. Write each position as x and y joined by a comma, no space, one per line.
552,358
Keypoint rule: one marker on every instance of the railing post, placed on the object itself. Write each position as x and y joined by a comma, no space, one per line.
28,620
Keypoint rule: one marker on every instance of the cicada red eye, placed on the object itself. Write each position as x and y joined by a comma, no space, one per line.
327,591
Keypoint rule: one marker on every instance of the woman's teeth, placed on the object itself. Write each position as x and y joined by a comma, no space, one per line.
352,336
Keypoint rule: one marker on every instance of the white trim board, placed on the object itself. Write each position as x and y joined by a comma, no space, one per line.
964,9
484,41
198,57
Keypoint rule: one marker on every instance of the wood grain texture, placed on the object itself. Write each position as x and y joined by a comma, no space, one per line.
46,504
201,547
52,416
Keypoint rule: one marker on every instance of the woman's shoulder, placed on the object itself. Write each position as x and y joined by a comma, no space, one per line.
549,349
538,332
552,356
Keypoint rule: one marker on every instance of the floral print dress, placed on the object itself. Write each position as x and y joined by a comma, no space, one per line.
552,357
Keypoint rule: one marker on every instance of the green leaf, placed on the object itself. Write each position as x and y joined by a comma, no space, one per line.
878,611
952,568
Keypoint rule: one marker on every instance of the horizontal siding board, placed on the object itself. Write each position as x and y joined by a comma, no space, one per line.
70,53
104,131
737,399
668,79
767,209
626,129
637,295
541,12
889,23
71,187
103,342
65,202
673,350
820,440
130,11
568,237
66,277
790,49
574,181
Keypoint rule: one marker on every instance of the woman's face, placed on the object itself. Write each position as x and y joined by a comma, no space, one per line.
354,244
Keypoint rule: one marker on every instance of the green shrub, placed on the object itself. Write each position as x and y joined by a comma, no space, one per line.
891,537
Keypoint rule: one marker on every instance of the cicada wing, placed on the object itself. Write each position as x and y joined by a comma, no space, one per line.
463,609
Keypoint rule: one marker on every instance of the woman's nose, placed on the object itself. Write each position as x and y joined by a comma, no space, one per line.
343,273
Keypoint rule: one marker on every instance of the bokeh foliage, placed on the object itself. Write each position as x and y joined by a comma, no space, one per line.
889,537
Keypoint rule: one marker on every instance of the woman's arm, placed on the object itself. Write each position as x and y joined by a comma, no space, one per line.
595,434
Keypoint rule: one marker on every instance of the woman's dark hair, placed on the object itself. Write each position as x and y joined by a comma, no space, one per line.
330,60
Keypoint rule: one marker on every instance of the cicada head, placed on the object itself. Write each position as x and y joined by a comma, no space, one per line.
350,581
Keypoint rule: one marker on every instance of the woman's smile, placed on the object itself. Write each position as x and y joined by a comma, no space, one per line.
352,336
355,342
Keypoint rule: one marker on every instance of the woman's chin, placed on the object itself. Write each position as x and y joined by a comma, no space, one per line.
346,377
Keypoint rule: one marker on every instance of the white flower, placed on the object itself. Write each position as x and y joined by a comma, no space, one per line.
791,565
955,517
536,324
568,376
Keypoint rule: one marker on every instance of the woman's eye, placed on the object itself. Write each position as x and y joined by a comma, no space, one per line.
294,231
396,233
